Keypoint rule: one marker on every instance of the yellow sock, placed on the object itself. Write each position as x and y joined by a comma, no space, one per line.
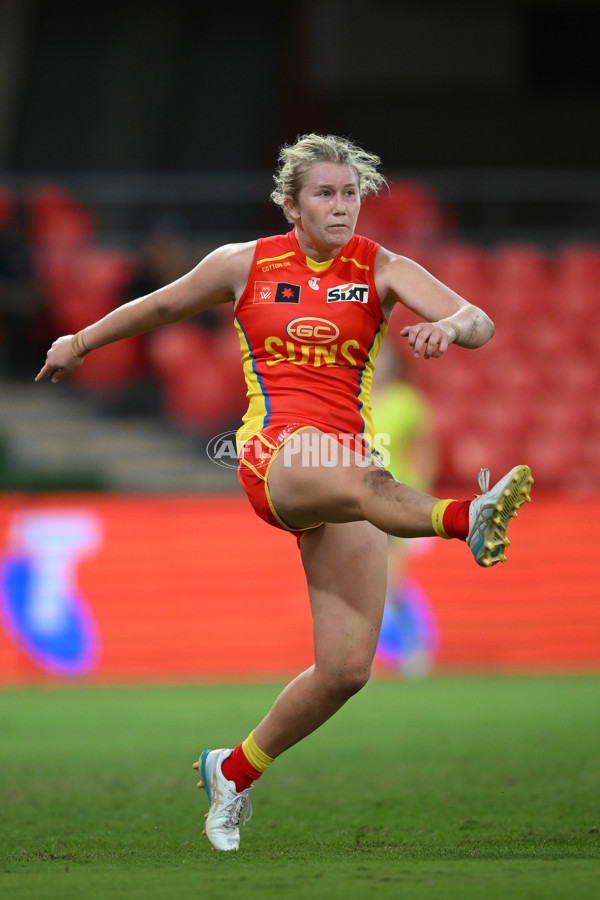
437,518
255,755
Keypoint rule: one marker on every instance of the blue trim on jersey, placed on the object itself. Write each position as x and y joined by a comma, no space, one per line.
258,376
361,403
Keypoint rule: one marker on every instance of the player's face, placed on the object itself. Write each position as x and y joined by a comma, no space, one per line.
326,209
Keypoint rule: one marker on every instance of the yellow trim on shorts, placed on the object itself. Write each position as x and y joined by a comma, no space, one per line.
268,493
263,440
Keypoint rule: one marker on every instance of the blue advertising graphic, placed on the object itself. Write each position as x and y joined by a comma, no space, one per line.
42,607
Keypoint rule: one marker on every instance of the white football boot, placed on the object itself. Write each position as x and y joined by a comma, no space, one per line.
226,803
491,512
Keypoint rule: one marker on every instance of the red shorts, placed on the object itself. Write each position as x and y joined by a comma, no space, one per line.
255,458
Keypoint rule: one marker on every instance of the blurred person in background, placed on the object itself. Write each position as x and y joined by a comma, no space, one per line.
24,326
164,256
311,307
404,428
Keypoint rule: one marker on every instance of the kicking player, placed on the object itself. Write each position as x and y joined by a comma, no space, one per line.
311,307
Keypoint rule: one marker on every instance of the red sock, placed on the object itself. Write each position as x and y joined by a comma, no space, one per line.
455,520
236,768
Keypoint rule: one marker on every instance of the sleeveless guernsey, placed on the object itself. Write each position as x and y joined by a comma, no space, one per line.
309,334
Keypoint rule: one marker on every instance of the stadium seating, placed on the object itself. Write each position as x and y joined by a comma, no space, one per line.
82,281
406,217
203,384
529,395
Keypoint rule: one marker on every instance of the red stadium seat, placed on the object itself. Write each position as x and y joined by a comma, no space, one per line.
84,285
407,218
7,204
57,218
203,390
108,371
578,280
464,268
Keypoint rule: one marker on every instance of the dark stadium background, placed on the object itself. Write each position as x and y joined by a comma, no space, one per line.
135,128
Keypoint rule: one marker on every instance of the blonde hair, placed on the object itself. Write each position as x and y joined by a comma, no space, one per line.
296,159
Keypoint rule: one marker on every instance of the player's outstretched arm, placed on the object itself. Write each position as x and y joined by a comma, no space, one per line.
219,278
448,317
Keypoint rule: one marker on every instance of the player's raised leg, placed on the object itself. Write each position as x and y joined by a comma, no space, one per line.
304,491
305,488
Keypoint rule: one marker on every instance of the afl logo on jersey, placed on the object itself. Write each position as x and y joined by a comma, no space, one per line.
312,330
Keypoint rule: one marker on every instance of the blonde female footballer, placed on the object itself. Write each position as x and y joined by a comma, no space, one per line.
311,307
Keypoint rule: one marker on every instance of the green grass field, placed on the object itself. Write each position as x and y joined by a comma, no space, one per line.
442,788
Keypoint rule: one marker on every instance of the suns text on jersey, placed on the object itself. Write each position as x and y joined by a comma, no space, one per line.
310,354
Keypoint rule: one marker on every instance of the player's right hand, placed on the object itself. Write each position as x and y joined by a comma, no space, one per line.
60,360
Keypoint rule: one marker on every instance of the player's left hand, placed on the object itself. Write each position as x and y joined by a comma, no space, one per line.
427,339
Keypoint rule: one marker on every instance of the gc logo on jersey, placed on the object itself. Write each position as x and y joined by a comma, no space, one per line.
359,293
312,330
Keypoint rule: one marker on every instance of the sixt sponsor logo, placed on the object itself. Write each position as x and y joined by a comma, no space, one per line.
357,293
312,330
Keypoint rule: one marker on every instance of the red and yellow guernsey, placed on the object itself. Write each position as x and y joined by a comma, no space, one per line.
309,334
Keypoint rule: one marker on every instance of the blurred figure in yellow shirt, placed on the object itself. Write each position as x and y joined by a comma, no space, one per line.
405,434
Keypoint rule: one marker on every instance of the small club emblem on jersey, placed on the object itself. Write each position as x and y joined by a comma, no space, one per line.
314,283
276,292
